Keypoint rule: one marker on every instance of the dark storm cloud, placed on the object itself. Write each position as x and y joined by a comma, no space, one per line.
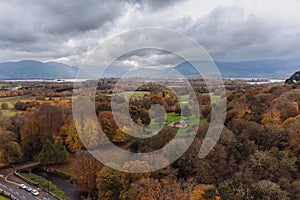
66,30
78,16
32,29
58,28
30,20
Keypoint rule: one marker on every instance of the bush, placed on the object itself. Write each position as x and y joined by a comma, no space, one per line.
4,106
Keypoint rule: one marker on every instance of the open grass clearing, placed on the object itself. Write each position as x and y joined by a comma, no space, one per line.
67,169
135,94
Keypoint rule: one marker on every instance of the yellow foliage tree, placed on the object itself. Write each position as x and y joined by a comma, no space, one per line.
87,169
271,117
120,135
72,139
288,122
199,192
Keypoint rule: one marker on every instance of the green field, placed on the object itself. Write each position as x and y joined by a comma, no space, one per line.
171,117
44,184
214,98
11,101
136,94
3,198
67,169
184,98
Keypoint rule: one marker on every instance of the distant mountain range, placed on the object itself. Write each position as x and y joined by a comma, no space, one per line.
280,69
28,69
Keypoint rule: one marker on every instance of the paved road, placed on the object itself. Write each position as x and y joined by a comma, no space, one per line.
16,191
14,180
10,183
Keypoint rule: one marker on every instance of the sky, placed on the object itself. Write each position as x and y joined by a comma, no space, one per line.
229,30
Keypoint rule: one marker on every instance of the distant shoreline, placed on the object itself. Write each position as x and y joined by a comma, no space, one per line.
74,80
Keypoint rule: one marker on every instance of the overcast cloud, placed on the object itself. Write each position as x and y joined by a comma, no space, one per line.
66,31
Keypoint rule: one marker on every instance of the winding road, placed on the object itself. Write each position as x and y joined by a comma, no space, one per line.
10,184
16,191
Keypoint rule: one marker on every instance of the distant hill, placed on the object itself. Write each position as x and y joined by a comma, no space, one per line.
249,69
26,69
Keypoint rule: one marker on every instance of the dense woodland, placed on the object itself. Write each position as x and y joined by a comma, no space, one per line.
257,156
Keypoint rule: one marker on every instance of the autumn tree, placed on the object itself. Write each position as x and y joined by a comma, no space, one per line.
128,178
48,119
271,117
268,190
295,189
10,150
72,140
205,111
294,137
109,184
90,134
87,169
271,165
204,99
120,135
165,188
4,106
199,191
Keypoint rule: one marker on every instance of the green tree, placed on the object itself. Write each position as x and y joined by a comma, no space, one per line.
53,153
47,154
62,155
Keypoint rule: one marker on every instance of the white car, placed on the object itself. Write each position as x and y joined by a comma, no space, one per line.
28,189
23,186
35,192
